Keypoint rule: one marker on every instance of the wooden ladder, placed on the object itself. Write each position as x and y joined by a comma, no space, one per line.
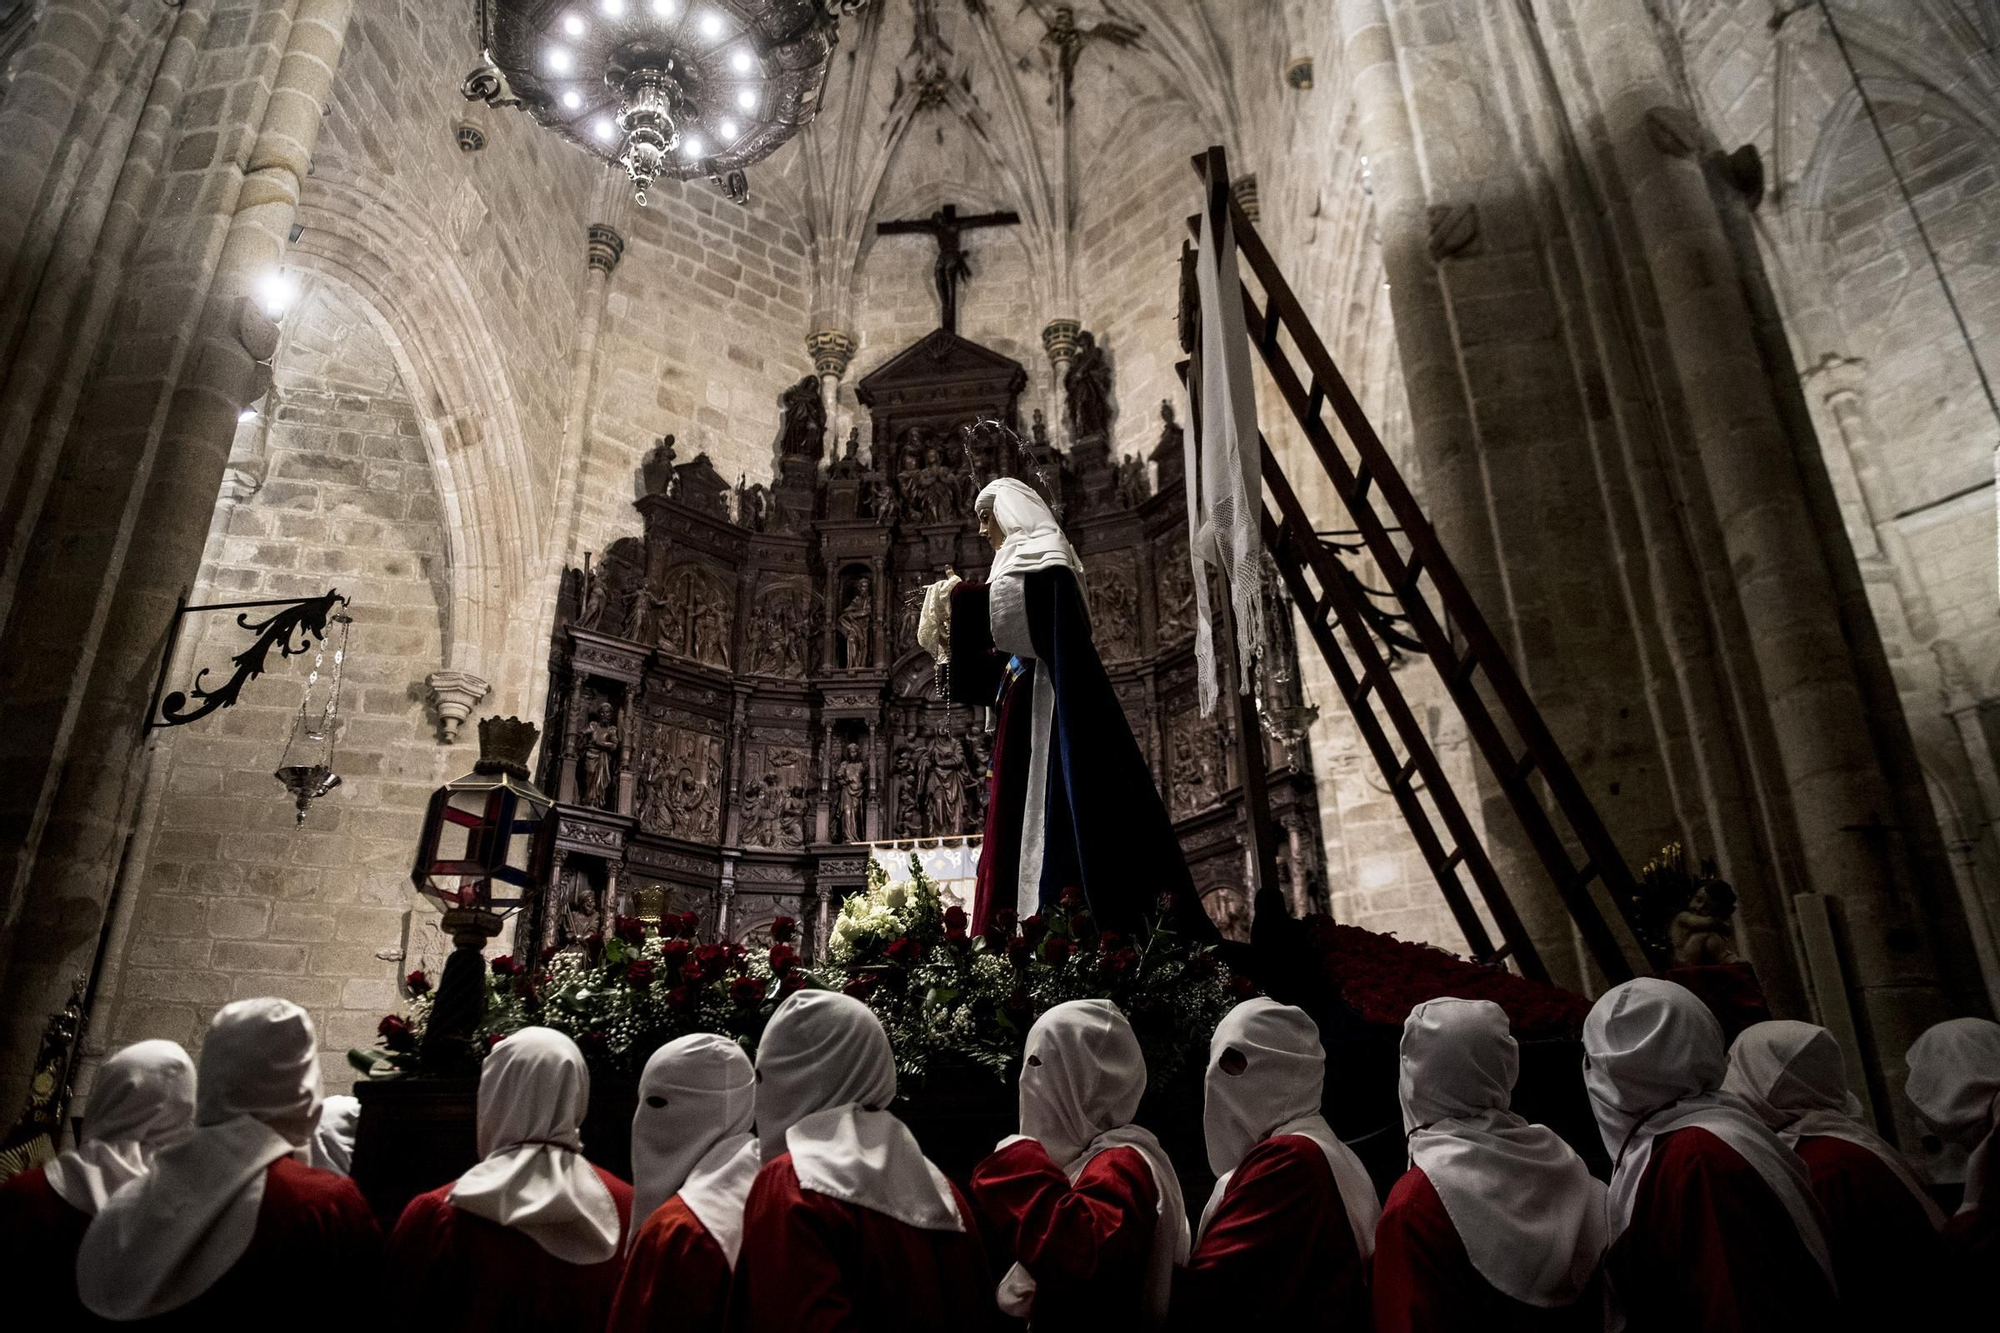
1337,609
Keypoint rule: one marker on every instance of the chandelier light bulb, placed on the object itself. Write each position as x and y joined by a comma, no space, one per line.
727,129
711,24
613,9
741,62
560,60
573,25
572,99
693,146
747,99
607,130
664,8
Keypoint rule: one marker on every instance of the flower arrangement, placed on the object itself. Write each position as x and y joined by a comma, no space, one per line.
944,996
1382,978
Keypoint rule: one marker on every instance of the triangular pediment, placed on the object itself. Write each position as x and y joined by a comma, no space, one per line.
939,359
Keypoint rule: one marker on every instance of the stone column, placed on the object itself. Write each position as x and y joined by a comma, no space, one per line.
65,867
1059,340
1840,381
1807,669
831,351
603,247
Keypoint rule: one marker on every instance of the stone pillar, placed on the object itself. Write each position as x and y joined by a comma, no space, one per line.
603,247
831,351
1786,589
1059,340
64,867
1839,382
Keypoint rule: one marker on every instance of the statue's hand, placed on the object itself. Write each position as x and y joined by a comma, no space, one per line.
934,621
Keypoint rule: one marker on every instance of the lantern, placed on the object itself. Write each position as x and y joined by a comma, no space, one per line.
486,846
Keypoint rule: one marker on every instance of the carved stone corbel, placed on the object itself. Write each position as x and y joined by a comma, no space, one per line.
454,693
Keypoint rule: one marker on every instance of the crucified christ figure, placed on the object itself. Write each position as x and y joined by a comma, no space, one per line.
952,267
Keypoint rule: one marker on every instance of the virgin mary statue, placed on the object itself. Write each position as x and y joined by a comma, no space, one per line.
1072,802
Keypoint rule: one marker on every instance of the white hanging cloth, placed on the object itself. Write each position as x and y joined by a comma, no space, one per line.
142,1102
169,1236
1654,1063
333,1137
1793,1077
825,1078
1082,1079
1224,477
1272,1088
1524,1204
533,1091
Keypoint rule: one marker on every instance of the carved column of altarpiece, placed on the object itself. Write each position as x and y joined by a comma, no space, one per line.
737,696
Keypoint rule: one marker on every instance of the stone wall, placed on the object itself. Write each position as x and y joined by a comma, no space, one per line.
331,488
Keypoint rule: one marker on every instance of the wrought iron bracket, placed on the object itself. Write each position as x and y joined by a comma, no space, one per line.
292,630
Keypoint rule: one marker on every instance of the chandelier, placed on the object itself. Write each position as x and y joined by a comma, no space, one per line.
669,89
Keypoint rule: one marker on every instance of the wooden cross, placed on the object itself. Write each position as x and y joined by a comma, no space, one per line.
952,267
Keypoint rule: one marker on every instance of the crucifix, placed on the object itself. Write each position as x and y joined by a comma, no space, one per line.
952,267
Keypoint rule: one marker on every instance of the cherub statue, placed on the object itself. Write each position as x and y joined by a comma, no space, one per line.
1702,933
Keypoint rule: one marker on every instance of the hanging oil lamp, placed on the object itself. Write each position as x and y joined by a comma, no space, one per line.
311,776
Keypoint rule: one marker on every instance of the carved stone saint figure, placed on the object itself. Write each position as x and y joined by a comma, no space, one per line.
655,796
708,637
1702,933
596,597
600,756
848,465
1038,431
750,505
1135,484
791,826
1088,384
759,814
857,623
850,776
944,785
979,755
805,420
657,470
909,789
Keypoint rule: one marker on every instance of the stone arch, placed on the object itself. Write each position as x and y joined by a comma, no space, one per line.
379,247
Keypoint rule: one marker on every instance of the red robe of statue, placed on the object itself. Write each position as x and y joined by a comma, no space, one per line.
1086,1244
1425,1281
39,1235
468,1272
814,1264
1278,1252
1711,1247
676,1277
1886,1254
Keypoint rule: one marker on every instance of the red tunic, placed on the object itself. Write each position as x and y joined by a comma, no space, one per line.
39,1236
468,1272
1425,1281
676,1276
1086,1244
1278,1252
1886,1255
1711,1247
814,1264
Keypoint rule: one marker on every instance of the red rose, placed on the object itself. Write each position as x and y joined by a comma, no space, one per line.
1119,962
1110,940
692,974
783,959
1242,987
860,987
594,944
1072,897
417,983
783,929
505,966
791,981
1017,1003
746,991
1168,905
710,956
493,1039
1083,930
1006,919
1018,952
739,959
1202,964
639,972
1033,928
395,1033
957,939
592,1043
1055,948
954,918
630,929
905,952
680,997
690,923
673,952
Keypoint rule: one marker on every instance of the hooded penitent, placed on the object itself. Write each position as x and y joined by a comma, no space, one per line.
172,1234
533,1091
1955,1085
691,1135
1523,1203
1266,1071
1653,1063
1082,1078
1793,1077
142,1102
825,1078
